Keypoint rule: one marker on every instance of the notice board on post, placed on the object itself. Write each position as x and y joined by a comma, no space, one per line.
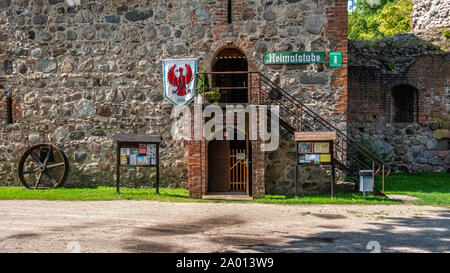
137,150
315,148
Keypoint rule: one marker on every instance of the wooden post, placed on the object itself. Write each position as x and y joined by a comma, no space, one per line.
157,168
333,173
259,91
118,168
333,179
296,181
373,173
296,170
383,181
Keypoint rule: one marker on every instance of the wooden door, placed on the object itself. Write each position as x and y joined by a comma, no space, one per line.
238,162
217,166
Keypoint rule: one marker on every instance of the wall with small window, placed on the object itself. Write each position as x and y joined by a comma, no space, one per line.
403,114
404,101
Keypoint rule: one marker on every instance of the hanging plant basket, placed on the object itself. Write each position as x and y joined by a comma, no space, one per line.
212,96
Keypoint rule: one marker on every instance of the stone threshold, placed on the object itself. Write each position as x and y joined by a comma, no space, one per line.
236,196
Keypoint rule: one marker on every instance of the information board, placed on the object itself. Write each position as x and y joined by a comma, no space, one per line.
312,152
138,155
315,148
137,150
335,59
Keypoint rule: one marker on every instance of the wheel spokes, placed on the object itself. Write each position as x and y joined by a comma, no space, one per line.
35,158
38,181
43,166
49,151
51,178
31,171
55,165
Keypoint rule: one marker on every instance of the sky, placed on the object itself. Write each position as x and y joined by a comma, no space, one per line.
350,2
350,5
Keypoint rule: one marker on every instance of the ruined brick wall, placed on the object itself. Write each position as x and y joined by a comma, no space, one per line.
420,145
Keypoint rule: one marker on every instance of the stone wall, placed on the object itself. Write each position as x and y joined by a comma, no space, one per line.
429,14
375,68
80,74
430,21
321,88
280,173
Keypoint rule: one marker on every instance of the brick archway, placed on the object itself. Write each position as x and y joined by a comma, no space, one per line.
246,48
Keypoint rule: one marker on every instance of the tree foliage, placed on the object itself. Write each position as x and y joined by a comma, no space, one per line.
370,21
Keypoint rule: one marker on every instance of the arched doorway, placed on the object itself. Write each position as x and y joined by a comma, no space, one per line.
229,166
233,87
404,106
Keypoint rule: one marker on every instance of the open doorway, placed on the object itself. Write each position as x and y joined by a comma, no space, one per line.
404,103
233,87
229,166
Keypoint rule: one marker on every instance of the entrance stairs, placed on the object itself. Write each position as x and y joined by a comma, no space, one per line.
349,155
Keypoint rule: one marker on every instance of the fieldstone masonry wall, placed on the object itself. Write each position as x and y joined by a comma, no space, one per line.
80,74
429,14
421,145
420,60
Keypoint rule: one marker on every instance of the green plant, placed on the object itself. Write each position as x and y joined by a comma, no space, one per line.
369,22
391,64
446,33
212,95
203,82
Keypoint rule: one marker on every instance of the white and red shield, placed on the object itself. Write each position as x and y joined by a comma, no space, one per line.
179,81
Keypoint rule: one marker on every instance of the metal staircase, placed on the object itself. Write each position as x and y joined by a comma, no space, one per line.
350,156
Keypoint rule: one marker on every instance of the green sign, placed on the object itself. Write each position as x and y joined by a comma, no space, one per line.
336,59
294,57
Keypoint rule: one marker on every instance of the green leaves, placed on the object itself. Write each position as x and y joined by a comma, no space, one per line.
370,22
203,82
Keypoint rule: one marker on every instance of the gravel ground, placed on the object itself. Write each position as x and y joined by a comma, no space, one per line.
143,226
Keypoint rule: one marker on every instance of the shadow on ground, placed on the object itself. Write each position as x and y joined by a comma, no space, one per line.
418,234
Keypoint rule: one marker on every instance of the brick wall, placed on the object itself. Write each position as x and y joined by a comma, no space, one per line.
336,31
370,90
198,168
418,146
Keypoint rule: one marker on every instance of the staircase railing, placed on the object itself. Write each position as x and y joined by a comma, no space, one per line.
347,150
350,156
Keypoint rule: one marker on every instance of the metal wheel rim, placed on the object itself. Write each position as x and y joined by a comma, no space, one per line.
42,170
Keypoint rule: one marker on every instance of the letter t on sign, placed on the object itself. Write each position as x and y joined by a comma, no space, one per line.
229,11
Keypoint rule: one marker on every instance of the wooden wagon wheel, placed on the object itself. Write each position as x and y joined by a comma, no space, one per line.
43,166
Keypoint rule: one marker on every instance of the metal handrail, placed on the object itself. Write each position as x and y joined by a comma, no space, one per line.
313,114
361,149
348,140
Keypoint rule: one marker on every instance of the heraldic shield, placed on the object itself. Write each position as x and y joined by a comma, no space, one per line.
180,81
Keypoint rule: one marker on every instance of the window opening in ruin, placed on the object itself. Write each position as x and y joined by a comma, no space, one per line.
229,12
443,144
404,103
233,87
8,67
9,113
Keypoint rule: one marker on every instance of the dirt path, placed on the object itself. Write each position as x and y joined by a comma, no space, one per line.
142,226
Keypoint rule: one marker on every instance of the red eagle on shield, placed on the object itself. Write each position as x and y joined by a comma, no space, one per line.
181,81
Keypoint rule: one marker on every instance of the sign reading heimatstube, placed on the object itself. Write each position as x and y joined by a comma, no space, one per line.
294,57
